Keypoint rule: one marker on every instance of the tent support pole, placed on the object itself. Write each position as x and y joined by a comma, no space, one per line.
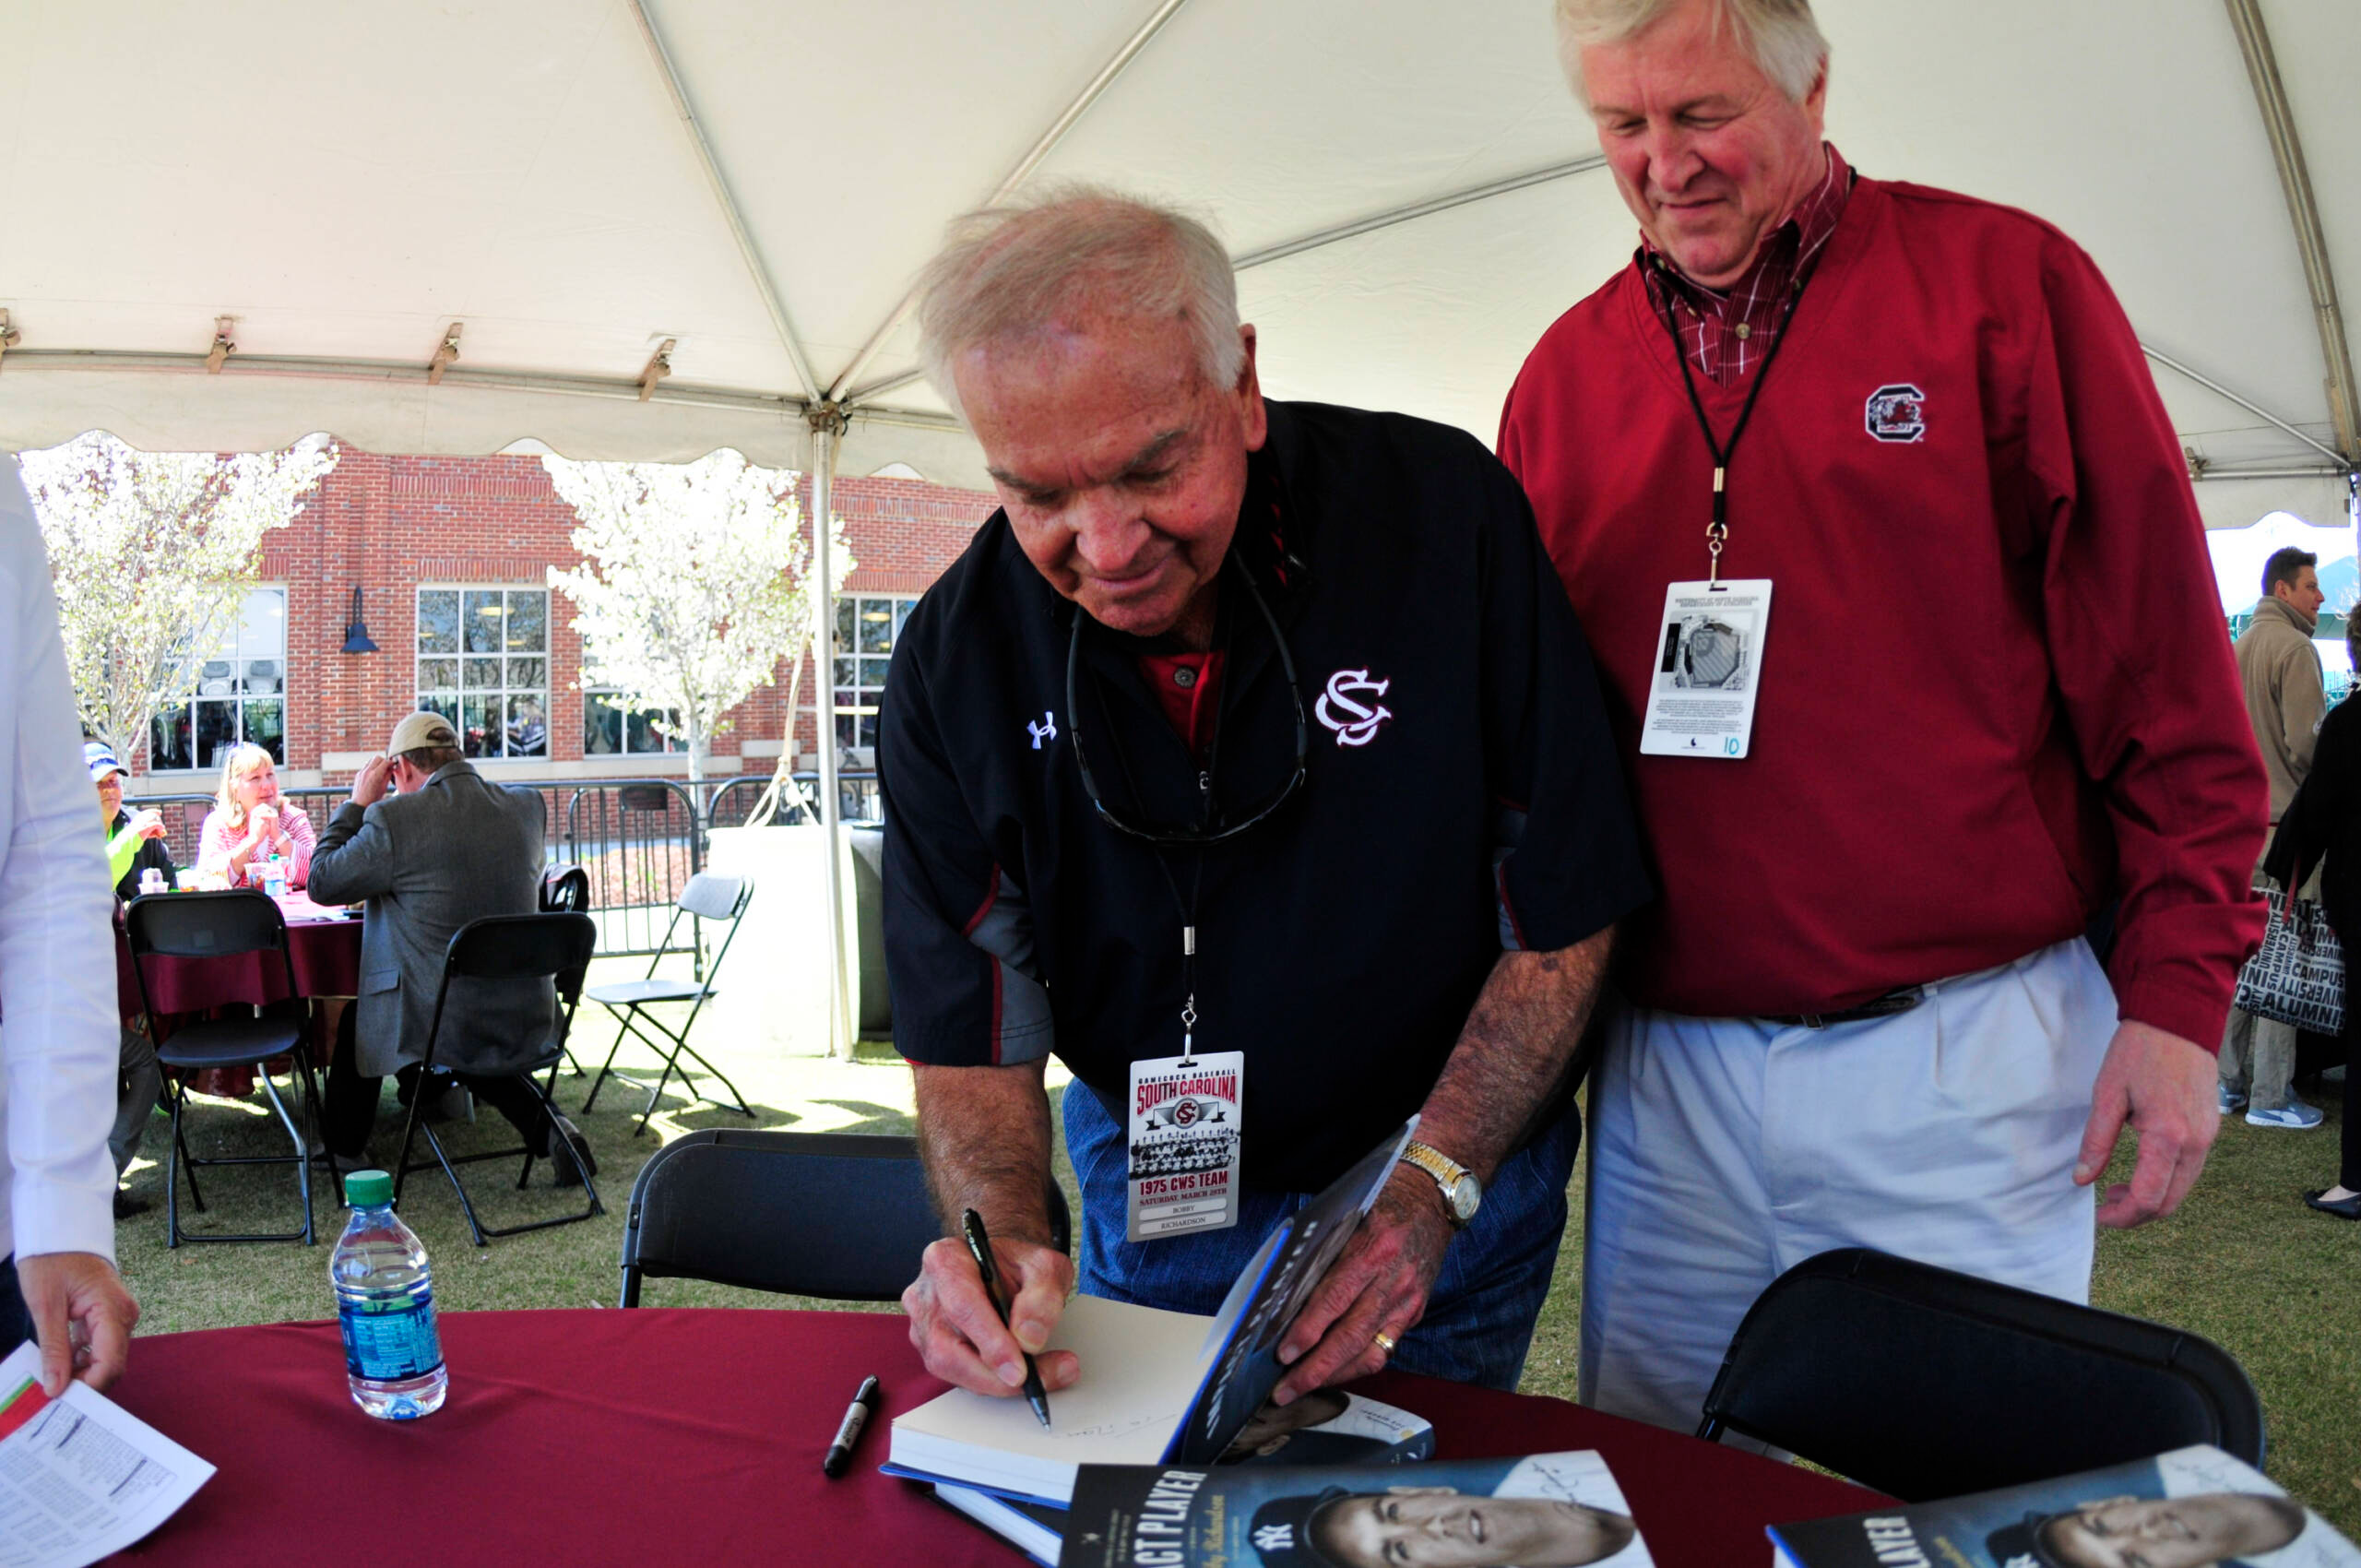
827,423
1040,149
2248,404
724,199
2304,213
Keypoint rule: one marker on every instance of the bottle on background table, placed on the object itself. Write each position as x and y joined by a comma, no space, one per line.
385,1300
273,878
151,881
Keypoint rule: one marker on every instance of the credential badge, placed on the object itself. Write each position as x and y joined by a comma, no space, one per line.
1897,413
1347,707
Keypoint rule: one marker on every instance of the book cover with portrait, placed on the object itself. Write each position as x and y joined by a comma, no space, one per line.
2191,1508
1542,1511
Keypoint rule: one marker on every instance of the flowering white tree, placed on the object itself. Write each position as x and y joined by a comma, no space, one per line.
152,554
695,583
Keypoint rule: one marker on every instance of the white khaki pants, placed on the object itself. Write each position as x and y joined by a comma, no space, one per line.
1724,1151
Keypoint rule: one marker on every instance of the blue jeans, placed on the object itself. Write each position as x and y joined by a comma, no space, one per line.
1479,1315
15,1322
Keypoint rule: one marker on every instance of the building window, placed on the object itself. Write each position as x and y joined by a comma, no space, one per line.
867,626
483,663
236,693
607,730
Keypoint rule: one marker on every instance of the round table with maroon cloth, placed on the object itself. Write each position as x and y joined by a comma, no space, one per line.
325,946
670,1436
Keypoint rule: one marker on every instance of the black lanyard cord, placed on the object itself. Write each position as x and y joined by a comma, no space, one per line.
1718,532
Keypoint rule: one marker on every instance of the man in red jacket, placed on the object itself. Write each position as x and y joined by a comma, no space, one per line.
1995,698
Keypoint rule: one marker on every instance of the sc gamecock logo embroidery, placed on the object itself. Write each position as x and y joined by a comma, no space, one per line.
1349,707
1897,413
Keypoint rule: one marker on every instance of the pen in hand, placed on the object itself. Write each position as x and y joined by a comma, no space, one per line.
979,1247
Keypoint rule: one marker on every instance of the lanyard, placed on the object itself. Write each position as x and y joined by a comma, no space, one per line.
1718,532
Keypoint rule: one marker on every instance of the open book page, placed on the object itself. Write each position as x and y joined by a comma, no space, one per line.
81,1477
1139,1367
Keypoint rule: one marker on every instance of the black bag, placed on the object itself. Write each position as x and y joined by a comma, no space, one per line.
2299,976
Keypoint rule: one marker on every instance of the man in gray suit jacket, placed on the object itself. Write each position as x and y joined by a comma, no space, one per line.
452,847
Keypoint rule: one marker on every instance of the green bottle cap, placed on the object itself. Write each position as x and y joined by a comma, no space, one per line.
366,1188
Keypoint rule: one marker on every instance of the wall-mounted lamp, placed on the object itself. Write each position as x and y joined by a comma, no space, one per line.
356,636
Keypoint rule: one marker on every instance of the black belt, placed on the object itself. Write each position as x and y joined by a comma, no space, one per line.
1885,1006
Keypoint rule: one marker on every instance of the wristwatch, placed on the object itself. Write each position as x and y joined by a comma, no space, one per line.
1462,1193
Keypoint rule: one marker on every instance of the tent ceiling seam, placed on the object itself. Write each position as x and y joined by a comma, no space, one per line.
1428,208
295,367
1042,147
1313,241
723,197
2303,213
2248,404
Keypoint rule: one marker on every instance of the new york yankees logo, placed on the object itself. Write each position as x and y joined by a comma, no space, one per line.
1045,730
1275,1537
1353,717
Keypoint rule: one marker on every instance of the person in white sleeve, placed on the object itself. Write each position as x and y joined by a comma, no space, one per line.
58,1283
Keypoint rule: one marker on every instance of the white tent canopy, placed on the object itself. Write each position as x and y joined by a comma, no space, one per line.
574,182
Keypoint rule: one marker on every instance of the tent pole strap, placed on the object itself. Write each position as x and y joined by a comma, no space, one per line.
827,423
2303,211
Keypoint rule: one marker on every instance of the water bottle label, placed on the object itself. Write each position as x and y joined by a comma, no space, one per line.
391,1341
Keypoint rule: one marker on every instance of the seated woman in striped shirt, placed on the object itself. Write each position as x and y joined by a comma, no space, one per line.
252,823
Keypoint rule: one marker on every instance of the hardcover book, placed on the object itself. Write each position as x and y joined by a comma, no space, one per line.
1541,1511
1155,1387
2191,1508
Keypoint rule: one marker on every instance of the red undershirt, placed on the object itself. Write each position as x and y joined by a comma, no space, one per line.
1188,687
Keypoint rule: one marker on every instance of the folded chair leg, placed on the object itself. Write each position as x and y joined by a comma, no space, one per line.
295,1135
742,1107
466,1206
188,1161
172,1176
605,1068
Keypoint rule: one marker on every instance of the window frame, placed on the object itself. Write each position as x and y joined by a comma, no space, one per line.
452,698
238,698
858,753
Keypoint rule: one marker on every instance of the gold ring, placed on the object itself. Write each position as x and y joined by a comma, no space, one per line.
1385,1342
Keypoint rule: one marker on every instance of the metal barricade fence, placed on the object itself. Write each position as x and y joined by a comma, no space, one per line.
638,839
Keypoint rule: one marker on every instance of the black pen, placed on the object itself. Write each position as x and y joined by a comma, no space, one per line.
848,1433
979,1247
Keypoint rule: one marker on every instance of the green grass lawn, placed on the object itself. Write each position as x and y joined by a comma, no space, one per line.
2244,1263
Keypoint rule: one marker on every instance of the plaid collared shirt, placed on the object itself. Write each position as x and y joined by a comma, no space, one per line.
1728,332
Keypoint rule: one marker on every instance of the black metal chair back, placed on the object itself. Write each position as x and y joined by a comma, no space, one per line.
1922,1383
508,947
223,925
843,1216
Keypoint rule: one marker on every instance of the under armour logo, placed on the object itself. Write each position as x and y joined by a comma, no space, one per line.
1355,721
1045,730
1275,1537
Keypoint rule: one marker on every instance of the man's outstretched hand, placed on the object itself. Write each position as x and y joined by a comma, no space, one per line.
2163,1085
82,1318
1378,1284
956,1329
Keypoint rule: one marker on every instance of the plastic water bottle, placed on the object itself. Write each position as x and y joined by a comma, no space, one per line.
385,1302
274,877
151,881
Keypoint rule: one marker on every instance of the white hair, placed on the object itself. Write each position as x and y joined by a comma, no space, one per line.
1008,271
1786,43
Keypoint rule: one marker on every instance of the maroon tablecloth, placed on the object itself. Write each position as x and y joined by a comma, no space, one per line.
325,950
655,1436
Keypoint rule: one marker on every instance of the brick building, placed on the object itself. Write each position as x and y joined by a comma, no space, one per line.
451,555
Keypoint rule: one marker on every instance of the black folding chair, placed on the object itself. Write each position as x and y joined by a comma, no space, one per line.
1923,1384
565,889
706,898
840,1216
220,925
509,947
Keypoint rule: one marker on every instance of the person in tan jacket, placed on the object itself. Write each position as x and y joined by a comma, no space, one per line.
2285,703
